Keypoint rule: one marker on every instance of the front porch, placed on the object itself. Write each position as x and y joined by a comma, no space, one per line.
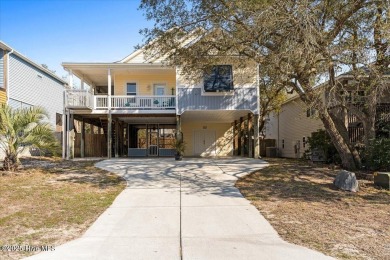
81,99
119,110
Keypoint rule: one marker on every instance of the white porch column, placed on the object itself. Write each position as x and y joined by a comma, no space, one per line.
70,78
109,119
82,83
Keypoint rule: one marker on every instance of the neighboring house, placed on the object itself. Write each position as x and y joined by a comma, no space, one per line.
136,107
292,126
23,83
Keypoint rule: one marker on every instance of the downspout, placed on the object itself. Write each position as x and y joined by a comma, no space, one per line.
8,65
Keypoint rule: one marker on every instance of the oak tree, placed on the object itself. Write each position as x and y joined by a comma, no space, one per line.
304,43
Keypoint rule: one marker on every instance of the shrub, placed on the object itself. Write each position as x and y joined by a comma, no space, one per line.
320,140
24,127
377,155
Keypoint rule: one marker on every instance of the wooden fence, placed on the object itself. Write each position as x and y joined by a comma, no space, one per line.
95,145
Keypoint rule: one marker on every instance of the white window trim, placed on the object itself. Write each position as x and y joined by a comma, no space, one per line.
136,88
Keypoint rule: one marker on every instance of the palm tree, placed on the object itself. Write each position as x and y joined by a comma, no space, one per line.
24,127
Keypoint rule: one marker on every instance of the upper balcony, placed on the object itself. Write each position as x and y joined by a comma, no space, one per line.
191,99
83,99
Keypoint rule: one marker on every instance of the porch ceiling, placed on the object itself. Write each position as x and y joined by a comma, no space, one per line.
96,73
214,116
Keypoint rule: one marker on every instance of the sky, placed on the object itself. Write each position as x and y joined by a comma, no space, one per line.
54,31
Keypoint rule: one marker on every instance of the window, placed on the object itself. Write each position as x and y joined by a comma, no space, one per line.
360,97
219,79
131,89
58,119
58,122
311,112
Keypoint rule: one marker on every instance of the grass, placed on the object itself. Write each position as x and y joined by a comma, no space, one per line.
301,203
51,202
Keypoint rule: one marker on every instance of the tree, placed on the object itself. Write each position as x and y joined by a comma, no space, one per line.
272,95
24,127
305,42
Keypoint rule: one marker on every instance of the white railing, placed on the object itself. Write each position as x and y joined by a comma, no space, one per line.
79,98
143,102
101,102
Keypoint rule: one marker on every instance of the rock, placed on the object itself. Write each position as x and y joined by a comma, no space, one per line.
346,180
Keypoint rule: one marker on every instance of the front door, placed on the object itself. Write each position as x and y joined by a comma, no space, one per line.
204,142
159,89
153,140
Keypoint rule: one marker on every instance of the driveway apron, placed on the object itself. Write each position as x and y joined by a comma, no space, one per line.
186,209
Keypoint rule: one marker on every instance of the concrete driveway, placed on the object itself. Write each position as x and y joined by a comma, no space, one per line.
181,210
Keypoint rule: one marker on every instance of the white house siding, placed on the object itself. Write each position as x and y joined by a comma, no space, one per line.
293,126
31,86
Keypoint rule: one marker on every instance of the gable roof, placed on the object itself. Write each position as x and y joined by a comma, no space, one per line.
138,55
48,72
135,57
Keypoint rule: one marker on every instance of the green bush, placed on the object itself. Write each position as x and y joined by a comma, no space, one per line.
377,155
321,140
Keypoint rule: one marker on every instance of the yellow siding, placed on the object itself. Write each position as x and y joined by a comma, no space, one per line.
223,134
145,82
3,97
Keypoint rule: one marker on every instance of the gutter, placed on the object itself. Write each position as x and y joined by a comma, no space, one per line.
8,74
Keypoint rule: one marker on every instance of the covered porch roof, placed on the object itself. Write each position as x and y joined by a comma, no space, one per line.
96,73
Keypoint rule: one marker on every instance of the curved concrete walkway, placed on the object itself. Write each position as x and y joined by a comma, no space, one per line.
188,209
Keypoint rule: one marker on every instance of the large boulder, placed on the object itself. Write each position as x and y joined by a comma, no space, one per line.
346,180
